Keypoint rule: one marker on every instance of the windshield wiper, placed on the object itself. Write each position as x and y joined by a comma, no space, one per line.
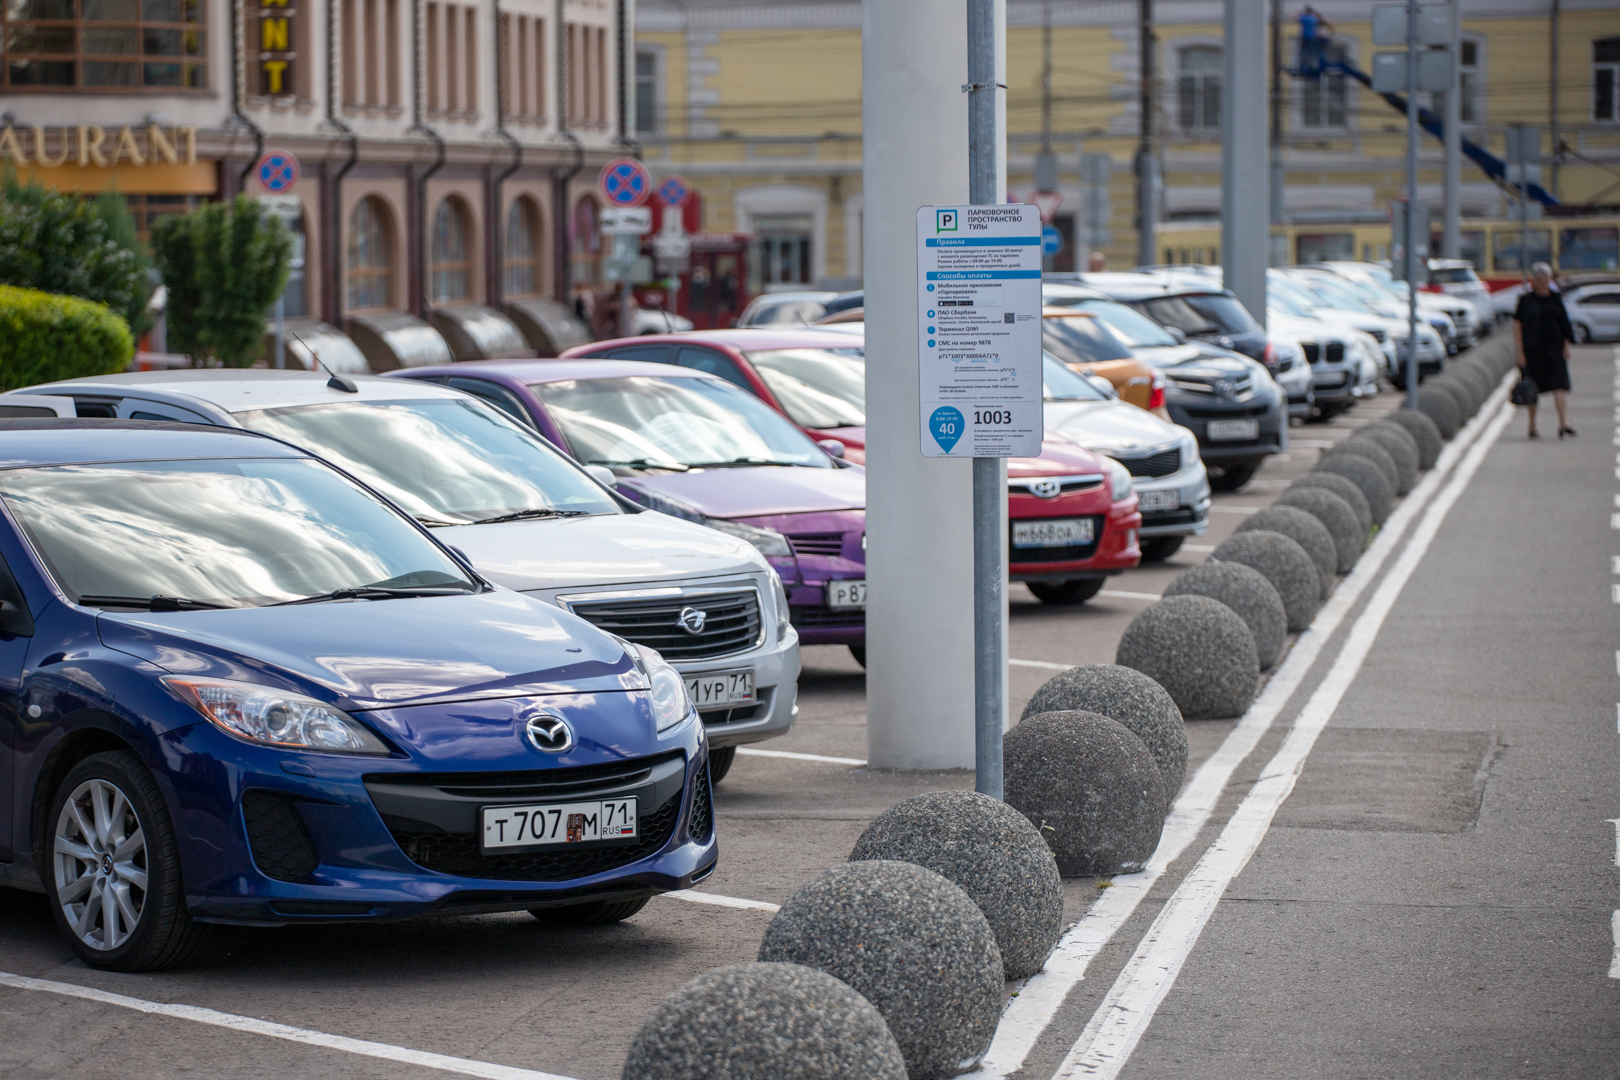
374,592
644,463
743,462
520,515
151,603
437,523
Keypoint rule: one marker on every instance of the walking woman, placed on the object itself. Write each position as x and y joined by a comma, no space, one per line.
1542,333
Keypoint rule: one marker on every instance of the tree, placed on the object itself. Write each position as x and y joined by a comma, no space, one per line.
225,264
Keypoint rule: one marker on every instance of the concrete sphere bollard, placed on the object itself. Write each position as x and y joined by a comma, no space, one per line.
1372,451
1462,390
1408,441
1401,448
1478,379
1089,786
1424,430
992,853
1367,476
784,1021
1344,488
1247,592
1199,650
1303,529
1440,407
1130,697
911,943
1285,564
1336,516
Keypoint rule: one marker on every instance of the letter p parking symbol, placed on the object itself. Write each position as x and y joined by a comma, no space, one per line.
944,221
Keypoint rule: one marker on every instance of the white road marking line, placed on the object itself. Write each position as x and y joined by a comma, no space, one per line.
1614,521
1205,547
1044,665
1131,595
750,751
1119,1023
1235,509
721,901
1616,823
1615,563
1615,592
1323,444
362,1047
1029,1014
1614,928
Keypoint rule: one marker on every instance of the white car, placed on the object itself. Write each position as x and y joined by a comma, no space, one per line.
524,514
1391,335
1464,318
1456,277
1594,312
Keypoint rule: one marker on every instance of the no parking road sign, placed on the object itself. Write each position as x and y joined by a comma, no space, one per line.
674,190
277,171
625,182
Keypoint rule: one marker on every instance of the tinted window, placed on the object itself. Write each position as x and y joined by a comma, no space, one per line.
1602,298
1226,312
647,354
498,396
1175,311
1060,383
645,420
441,460
1452,276
1082,340
819,388
232,532
1137,329
712,363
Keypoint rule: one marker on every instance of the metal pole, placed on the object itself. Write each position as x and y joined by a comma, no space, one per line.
1410,254
1451,242
989,485
1245,239
1147,208
281,331
1279,212
1552,94
1046,75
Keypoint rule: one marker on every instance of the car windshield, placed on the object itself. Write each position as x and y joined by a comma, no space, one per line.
1226,312
654,420
1368,292
1452,275
1330,295
225,533
819,388
789,313
444,460
1138,331
1061,383
1289,298
1082,339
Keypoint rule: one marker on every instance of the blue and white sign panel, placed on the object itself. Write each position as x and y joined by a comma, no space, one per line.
979,330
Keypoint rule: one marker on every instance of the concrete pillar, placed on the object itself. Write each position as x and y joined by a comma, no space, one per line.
1245,236
919,538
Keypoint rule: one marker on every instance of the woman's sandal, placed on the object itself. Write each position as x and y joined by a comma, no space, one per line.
1566,431
1533,435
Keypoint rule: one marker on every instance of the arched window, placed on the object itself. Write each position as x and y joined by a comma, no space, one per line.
1198,105
585,243
451,263
370,263
520,274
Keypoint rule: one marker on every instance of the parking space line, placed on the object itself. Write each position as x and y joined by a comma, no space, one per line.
1044,665
1235,509
362,1047
721,901
751,752
1616,823
1197,547
1119,1023
1131,595
1614,965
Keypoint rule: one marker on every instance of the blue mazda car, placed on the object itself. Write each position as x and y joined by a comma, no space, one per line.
237,686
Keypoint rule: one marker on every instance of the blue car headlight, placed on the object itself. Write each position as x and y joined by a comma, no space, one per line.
273,717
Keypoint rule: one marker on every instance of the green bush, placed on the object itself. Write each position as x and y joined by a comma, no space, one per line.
225,264
45,337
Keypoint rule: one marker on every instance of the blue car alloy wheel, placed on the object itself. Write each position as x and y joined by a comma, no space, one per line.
254,692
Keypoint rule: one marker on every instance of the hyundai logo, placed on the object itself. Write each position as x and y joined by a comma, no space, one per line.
1225,388
550,734
1046,489
691,620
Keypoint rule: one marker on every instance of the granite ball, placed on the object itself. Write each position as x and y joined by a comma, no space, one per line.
992,853
1440,407
1303,529
1344,488
1130,697
1199,650
1367,476
1476,375
909,941
1373,452
747,1021
1422,428
1247,592
1467,400
1335,515
1401,448
1089,786
1285,564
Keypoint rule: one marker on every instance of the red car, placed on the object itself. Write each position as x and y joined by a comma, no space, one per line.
1068,530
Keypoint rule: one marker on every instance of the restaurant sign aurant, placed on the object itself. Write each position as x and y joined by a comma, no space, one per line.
91,145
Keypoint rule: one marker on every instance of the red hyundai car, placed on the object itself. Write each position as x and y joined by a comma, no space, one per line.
1073,515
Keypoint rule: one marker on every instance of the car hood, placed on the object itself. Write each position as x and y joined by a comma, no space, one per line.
1307,329
1198,355
750,492
606,549
1109,426
376,653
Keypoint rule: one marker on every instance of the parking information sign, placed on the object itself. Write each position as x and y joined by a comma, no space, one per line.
979,330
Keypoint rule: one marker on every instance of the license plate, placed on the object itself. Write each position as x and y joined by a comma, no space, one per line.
1158,500
1233,429
846,594
1053,532
555,824
721,689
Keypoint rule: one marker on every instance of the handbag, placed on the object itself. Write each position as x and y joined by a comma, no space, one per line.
1524,391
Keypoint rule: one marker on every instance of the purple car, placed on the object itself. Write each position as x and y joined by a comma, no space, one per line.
692,445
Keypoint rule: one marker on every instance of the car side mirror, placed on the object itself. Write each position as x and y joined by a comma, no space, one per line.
1103,385
1178,333
602,475
15,619
833,447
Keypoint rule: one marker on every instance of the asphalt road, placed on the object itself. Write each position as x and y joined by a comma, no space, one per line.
1432,898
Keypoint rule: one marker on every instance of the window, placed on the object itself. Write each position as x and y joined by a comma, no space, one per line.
371,68
525,44
646,91
520,273
1468,80
784,247
1589,249
451,260
146,209
370,263
1324,101
1199,88
114,45
587,75
1505,245
1606,79
584,244
451,44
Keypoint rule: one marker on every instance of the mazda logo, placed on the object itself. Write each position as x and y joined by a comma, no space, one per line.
1046,489
1225,388
550,734
691,620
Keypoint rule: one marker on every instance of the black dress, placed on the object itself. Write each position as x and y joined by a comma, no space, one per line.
1544,325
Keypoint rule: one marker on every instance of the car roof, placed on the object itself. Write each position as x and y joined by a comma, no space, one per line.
771,299
1074,289
532,371
1134,286
66,441
742,338
239,390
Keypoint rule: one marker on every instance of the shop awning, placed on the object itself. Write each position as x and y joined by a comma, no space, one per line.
394,339
549,326
475,332
308,340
